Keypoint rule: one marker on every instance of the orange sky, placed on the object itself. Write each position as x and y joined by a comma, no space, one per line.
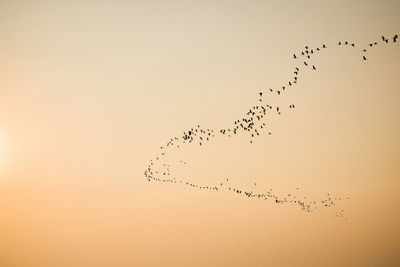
89,91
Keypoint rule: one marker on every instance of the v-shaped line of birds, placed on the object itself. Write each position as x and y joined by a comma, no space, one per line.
253,124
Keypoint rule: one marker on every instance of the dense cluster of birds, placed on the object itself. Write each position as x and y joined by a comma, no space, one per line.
253,123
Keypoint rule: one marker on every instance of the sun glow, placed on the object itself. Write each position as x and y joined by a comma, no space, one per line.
2,151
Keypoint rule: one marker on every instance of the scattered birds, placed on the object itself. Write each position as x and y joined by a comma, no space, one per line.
253,124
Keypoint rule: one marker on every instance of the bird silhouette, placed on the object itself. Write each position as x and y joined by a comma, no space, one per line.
253,124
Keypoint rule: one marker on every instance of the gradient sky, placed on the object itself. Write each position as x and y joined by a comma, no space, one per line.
90,90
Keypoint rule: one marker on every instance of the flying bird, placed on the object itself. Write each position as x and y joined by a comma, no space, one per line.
251,123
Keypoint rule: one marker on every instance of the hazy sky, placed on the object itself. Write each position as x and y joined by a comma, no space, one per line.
90,90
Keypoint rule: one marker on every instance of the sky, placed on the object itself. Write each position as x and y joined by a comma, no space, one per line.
90,91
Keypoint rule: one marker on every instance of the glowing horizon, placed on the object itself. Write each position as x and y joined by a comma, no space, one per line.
90,92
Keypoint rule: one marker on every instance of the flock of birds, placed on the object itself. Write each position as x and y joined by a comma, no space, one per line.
253,123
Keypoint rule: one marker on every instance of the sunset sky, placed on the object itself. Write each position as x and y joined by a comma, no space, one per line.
90,90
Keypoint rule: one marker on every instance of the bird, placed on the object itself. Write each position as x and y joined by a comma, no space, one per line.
252,122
